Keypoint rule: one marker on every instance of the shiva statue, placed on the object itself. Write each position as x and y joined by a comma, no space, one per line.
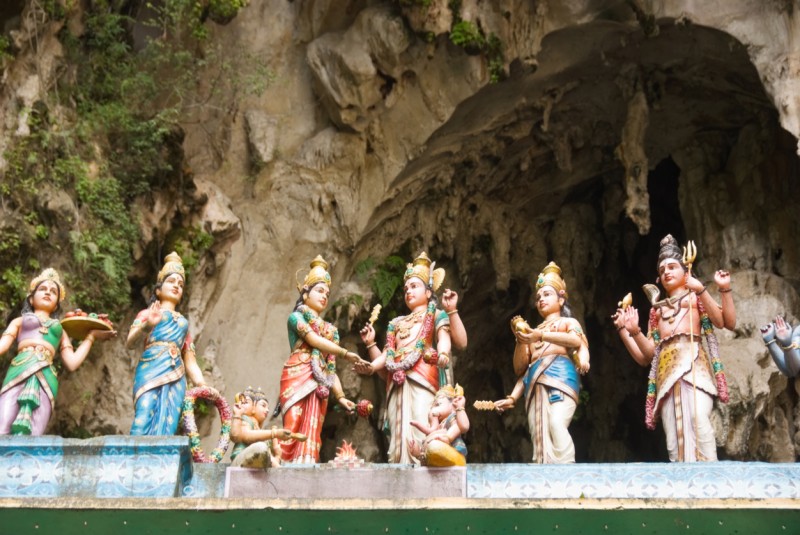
309,375
783,344
447,422
159,382
415,358
684,376
254,447
547,360
29,390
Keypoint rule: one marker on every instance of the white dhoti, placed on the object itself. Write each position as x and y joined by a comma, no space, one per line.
551,432
404,403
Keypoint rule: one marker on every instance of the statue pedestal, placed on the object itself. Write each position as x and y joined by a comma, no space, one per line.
101,467
370,481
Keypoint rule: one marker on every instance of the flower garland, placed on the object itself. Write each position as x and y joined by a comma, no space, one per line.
324,377
190,426
713,350
399,368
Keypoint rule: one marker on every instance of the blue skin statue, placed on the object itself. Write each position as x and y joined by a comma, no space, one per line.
783,344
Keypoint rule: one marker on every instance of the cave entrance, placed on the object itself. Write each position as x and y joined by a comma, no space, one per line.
529,170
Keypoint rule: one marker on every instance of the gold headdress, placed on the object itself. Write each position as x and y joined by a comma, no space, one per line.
450,392
172,264
551,276
317,273
254,394
423,269
49,274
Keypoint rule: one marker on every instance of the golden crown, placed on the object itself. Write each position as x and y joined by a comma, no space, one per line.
317,273
450,391
172,264
421,268
551,276
49,274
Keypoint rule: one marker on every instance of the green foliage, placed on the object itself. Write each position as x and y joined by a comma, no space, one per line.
5,50
123,140
386,276
467,35
190,243
471,38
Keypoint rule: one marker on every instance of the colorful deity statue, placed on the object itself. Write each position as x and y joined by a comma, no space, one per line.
547,360
684,376
29,390
447,422
415,358
160,379
254,447
783,344
309,375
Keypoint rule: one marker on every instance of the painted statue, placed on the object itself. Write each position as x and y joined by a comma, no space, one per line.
159,382
29,390
447,422
684,376
309,375
783,344
254,447
547,360
415,358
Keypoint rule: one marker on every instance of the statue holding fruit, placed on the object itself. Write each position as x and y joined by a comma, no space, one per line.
168,356
29,390
547,361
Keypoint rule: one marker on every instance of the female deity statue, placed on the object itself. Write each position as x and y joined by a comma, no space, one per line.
254,447
159,383
309,375
683,379
447,422
416,355
783,344
548,360
31,384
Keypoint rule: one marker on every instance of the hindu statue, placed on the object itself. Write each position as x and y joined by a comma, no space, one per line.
254,447
309,375
447,422
548,361
29,390
783,344
415,358
159,382
685,376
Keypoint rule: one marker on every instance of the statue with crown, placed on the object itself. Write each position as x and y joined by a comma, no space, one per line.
685,374
28,394
309,379
547,362
415,358
167,358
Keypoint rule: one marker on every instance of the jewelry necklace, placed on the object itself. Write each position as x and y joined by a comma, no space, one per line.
406,324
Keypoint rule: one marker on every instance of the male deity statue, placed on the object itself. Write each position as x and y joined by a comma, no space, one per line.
415,358
684,377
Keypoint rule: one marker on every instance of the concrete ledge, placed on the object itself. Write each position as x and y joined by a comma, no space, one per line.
373,481
102,467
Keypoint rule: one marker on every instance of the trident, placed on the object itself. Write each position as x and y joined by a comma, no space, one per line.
689,256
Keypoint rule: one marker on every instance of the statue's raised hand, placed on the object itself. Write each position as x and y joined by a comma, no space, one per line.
723,279
449,300
367,334
154,314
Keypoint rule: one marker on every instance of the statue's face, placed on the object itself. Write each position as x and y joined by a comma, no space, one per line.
260,410
45,297
317,297
171,289
671,274
548,301
416,293
442,407
246,404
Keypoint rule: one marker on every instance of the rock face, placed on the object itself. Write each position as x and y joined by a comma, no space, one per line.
611,128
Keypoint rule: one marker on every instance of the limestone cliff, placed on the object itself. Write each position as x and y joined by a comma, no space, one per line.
607,125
